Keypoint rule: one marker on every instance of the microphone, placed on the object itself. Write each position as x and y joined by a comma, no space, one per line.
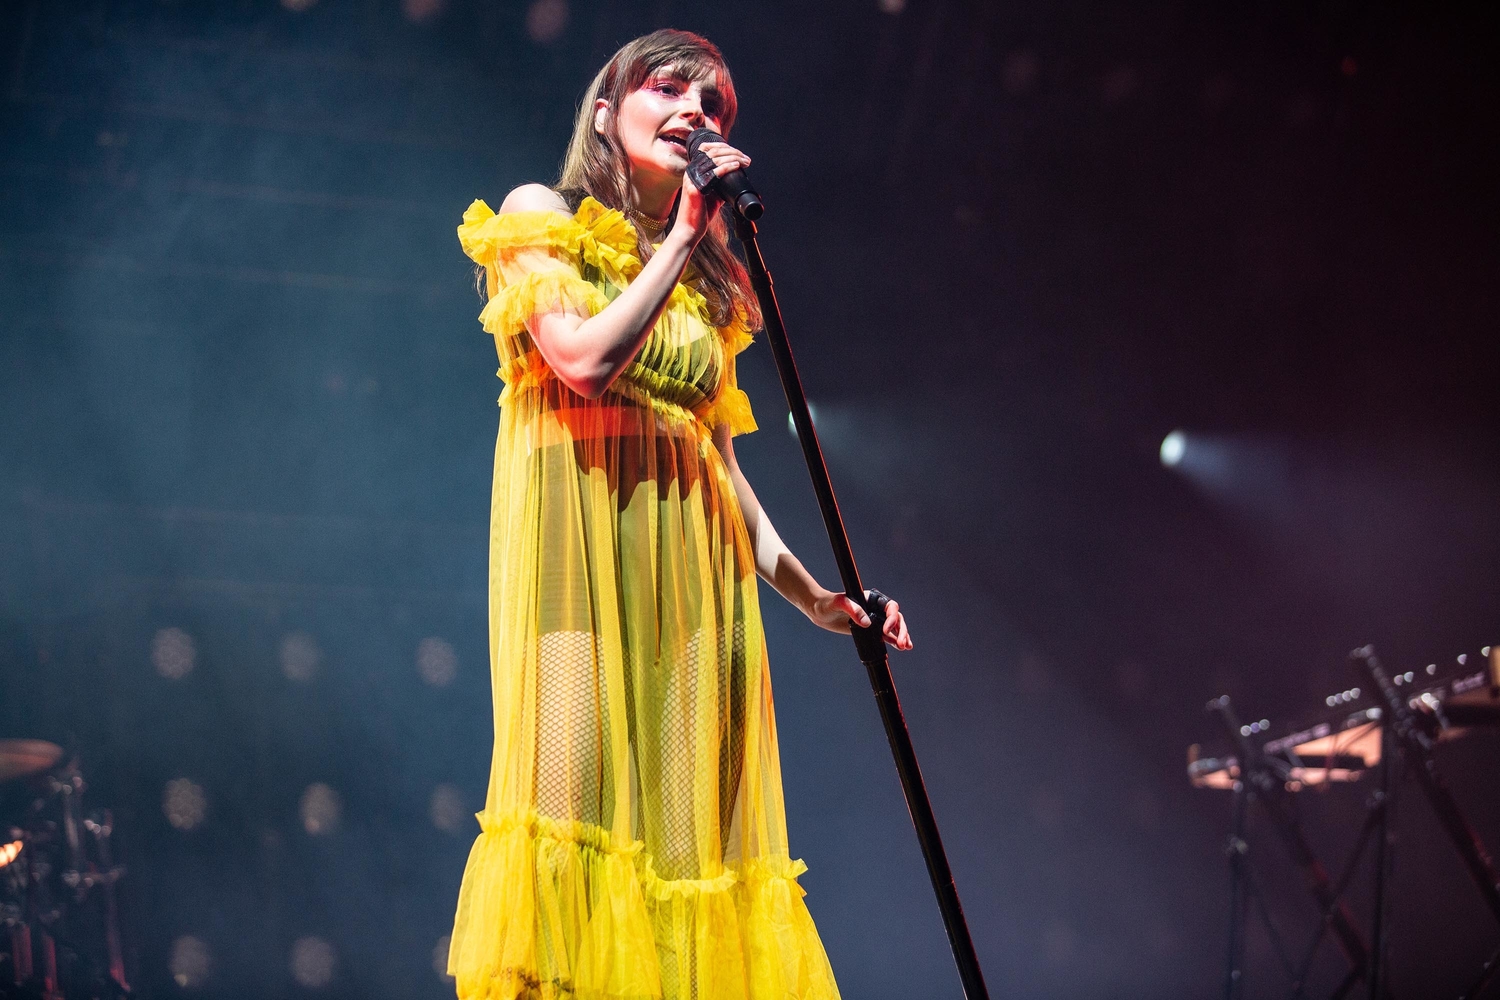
734,187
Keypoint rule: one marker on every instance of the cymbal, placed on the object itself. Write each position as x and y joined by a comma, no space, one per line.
18,758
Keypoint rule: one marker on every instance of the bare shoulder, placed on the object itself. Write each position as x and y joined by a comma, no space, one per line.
534,198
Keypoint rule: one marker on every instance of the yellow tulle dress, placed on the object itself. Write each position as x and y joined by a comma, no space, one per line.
633,839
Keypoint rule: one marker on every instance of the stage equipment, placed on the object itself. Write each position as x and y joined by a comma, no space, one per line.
868,642
1387,725
1262,777
57,891
1415,734
20,758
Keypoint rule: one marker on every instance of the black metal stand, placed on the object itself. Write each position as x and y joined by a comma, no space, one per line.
1416,744
867,641
1259,779
1243,891
1385,800
1235,851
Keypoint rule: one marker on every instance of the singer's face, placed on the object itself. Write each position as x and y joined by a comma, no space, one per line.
655,121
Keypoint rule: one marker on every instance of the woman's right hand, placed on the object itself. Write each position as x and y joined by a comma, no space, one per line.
695,208
834,611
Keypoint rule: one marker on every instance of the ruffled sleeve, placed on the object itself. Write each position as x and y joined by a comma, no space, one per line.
731,407
531,262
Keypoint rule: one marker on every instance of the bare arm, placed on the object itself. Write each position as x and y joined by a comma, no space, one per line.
589,353
776,564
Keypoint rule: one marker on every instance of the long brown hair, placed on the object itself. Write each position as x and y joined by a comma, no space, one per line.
596,164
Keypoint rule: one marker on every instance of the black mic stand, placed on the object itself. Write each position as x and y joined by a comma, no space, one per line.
869,642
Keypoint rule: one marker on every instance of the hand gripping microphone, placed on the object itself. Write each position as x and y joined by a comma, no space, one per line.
734,187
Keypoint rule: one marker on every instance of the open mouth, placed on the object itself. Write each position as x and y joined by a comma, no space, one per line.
676,139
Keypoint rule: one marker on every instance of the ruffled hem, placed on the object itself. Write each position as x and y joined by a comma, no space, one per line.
485,235
560,911
737,335
540,292
611,242
732,409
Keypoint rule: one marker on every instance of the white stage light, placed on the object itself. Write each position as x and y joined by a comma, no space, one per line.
1173,446
184,803
791,425
546,20
447,808
313,962
300,656
173,653
422,11
437,662
440,958
320,809
191,962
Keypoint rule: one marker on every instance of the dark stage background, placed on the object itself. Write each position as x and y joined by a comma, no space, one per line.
247,416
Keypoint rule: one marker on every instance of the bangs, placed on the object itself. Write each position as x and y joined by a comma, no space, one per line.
689,64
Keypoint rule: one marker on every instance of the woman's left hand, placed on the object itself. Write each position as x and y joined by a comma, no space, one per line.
833,611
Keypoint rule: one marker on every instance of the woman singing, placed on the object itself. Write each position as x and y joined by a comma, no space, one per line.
633,840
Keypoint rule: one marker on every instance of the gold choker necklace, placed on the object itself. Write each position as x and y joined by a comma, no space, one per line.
648,225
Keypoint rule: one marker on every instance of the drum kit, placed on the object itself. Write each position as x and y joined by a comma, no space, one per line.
1387,726
59,922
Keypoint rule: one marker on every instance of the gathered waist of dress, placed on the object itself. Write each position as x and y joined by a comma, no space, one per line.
629,408
552,418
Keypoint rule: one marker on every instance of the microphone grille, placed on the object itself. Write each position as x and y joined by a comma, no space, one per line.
699,136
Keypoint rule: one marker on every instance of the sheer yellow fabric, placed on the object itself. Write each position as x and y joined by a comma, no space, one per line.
633,840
